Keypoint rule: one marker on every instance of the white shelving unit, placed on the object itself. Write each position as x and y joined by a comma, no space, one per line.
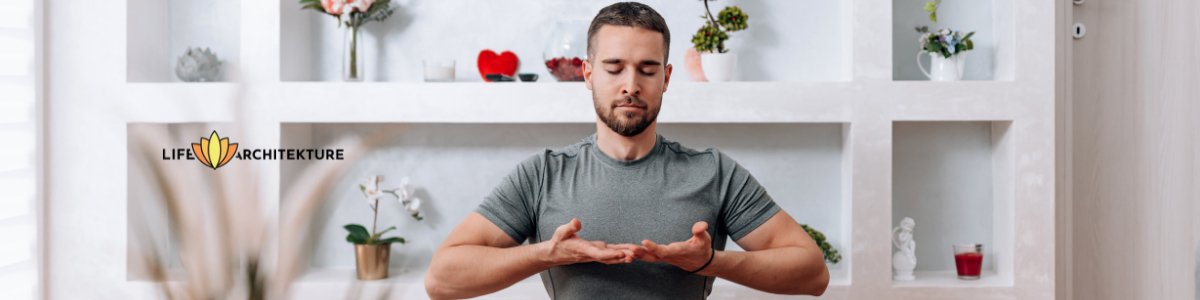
869,106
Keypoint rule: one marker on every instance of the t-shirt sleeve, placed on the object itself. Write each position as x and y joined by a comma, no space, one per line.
512,204
745,203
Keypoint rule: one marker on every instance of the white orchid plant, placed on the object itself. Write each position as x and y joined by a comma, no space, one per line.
943,41
372,191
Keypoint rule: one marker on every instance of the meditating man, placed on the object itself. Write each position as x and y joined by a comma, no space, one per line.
627,213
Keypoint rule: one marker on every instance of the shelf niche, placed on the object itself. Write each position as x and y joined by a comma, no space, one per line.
955,179
992,58
157,33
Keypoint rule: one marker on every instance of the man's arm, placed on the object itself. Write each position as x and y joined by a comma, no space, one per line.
780,257
478,258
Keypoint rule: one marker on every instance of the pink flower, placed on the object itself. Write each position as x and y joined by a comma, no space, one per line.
360,5
333,7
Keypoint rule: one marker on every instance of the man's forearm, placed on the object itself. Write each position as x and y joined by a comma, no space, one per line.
784,270
469,270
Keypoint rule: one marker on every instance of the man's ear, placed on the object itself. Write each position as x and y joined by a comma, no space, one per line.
667,79
587,72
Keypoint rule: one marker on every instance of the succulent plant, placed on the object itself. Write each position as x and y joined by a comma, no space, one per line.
198,65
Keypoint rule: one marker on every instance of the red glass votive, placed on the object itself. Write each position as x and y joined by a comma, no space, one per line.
969,260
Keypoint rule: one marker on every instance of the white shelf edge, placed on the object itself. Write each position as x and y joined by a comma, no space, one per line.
568,102
177,102
949,279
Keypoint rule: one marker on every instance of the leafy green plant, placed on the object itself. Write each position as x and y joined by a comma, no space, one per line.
712,35
943,41
831,254
931,7
359,235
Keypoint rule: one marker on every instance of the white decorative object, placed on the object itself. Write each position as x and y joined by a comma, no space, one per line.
905,260
198,65
718,67
439,70
942,68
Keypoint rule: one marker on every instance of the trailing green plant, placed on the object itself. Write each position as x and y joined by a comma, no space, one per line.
712,35
831,254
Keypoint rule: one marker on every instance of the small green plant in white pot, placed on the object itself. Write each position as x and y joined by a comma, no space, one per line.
718,63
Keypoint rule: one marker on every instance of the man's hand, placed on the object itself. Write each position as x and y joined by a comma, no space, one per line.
567,248
688,255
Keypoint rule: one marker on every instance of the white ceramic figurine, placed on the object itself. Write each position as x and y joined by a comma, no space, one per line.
905,260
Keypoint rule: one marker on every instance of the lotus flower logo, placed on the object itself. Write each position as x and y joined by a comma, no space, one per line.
214,151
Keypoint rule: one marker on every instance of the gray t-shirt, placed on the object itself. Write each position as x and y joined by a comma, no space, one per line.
657,197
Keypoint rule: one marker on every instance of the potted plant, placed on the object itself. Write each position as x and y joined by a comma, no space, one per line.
371,249
947,48
831,255
716,61
355,13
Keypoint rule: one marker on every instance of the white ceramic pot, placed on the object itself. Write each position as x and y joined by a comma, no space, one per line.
719,67
942,68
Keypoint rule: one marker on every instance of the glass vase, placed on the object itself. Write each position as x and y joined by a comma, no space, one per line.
352,62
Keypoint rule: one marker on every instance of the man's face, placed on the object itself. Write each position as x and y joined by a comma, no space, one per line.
627,76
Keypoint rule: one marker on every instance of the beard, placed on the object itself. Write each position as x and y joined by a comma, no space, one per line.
626,124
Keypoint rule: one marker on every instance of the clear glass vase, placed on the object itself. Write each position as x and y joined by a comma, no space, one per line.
352,61
566,49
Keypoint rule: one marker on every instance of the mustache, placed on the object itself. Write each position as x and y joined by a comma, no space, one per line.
630,100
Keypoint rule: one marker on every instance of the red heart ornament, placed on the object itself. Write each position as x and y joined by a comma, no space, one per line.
491,63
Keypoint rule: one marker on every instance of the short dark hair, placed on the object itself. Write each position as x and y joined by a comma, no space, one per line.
630,14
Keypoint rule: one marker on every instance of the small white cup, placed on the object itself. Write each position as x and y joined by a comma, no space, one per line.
439,70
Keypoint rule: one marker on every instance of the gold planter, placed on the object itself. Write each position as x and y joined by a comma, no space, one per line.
372,260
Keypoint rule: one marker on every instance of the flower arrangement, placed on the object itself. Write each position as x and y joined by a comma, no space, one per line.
353,14
359,234
943,41
712,35
357,12
831,254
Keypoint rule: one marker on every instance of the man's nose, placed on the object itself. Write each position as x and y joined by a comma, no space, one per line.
630,85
